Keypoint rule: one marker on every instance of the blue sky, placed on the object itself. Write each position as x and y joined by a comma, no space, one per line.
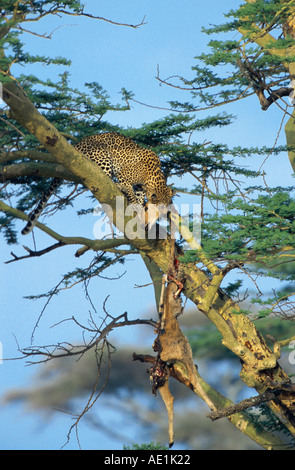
116,57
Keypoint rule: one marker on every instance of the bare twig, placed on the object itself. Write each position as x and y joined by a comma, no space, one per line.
34,253
60,350
268,395
101,18
93,396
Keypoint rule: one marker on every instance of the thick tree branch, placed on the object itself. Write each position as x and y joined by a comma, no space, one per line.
273,97
43,170
11,156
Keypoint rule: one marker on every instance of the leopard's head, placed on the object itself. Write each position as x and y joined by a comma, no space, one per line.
162,194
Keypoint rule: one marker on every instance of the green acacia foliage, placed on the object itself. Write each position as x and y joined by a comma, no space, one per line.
234,69
258,229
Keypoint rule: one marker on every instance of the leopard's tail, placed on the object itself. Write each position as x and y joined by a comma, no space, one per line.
35,214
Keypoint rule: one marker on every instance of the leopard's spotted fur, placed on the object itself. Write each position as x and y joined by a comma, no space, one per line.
137,171
131,165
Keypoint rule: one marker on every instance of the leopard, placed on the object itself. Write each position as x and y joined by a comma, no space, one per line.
136,170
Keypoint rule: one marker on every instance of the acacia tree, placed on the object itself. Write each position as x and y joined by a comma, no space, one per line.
253,225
